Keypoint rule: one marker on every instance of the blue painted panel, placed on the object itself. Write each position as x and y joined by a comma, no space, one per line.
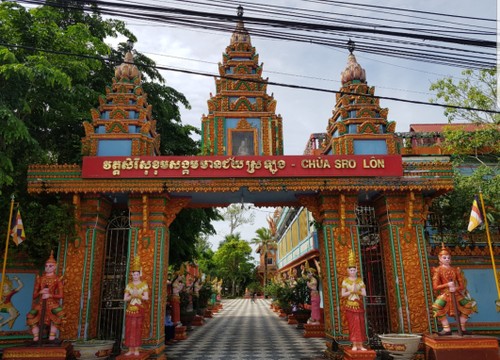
114,148
20,300
370,147
481,286
101,129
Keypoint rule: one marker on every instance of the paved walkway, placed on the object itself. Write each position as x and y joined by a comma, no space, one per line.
246,330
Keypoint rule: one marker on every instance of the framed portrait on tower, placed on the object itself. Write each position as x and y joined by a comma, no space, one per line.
242,142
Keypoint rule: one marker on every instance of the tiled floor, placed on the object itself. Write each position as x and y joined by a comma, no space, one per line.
246,330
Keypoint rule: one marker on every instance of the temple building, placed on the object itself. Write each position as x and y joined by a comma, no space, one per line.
353,190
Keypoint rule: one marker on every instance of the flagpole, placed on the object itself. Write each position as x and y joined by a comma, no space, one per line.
7,244
489,242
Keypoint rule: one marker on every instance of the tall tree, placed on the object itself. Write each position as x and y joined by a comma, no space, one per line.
265,240
51,74
234,261
477,89
476,153
237,215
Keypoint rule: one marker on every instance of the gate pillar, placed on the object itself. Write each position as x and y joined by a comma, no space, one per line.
402,218
80,261
334,212
150,218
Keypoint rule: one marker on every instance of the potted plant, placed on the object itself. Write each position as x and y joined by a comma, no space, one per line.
186,307
299,297
203,297
92,349
401,346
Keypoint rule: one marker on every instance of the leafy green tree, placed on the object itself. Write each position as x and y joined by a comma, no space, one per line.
51,74
477,89
476,153
234,262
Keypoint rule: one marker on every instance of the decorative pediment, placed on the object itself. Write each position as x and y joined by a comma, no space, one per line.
391,127
89,129
368,127
118,114
116,127
243,124
340,127
242,104
366,113
95,114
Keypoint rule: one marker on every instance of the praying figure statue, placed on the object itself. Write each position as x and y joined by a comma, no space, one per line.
354,290
136,294
312,285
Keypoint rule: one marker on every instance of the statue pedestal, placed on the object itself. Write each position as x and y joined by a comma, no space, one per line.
197,320
52,352
470,347
143,355
180,333
292,320
314,330
359,354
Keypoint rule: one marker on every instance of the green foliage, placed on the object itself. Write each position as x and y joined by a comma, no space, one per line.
234,262
300,293
205,294
477,90
485,140
254,287
454,207
45,95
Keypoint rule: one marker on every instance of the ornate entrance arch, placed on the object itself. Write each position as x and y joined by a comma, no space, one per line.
359,157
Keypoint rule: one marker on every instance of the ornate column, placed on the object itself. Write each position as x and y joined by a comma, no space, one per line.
409,286
80,261
150,218
336,235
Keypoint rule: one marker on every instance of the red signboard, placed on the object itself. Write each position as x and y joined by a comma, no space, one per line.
241,166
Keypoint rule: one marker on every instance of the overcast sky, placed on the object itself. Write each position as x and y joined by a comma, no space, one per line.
303,112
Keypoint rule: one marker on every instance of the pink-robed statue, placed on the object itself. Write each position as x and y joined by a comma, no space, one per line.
136,294
312,284
446,281
48,292
353,289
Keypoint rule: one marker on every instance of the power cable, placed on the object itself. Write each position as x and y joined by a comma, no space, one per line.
260,81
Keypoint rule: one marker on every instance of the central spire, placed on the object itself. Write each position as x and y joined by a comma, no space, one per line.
240,34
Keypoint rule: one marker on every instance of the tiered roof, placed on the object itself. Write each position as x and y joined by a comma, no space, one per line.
123,124
241,102
359,125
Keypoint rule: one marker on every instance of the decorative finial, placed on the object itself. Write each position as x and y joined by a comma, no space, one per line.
136,264
240,11
51,259
351,262
130,45
444,250
351,45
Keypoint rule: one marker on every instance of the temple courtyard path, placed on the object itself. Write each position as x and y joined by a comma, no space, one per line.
246,330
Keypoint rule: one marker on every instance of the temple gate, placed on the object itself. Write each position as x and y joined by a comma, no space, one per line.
360,166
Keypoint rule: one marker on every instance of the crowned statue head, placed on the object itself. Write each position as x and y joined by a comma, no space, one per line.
444,250
135,266
351,261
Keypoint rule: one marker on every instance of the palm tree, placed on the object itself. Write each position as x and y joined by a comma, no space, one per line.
265,240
